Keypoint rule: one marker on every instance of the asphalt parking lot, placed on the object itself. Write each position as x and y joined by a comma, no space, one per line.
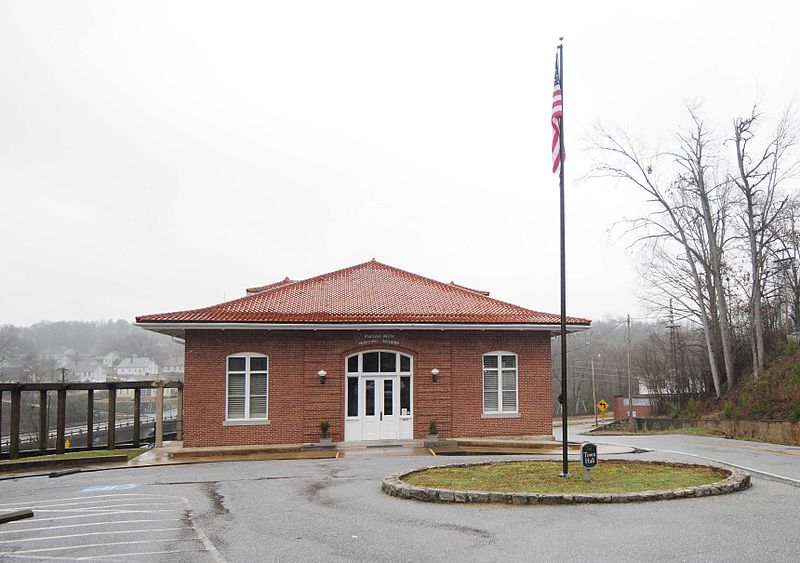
334,510
104,522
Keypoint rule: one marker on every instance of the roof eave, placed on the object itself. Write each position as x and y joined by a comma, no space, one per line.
179,328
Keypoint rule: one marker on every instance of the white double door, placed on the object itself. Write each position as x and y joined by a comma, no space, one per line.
380,397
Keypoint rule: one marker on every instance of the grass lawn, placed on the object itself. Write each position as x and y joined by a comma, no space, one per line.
542,477
130,452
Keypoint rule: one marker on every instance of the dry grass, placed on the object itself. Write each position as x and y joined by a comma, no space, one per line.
543,477
130,452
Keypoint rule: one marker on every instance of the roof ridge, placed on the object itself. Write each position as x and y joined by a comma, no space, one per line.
481,291
268,286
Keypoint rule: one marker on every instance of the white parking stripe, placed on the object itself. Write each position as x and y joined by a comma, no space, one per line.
201,535
89,504
107,511
104,557
98,496
92,524
88,545
99,506
108,517
11,505
85,516
44,538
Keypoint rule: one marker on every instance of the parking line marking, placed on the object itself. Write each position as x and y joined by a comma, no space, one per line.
201,535
99,508
99,503
84,525
85,516
103,506
106,511
91,557
10,504
84,546
90,534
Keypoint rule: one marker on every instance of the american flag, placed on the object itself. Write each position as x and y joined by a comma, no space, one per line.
557,113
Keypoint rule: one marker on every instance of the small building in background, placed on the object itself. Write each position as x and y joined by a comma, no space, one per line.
86,370
642,407
136,369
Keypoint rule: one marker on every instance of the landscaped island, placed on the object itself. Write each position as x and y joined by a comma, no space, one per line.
531,482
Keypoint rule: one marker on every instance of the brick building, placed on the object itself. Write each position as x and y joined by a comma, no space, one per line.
377,351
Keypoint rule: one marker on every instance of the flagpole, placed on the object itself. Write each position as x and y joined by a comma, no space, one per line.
564,431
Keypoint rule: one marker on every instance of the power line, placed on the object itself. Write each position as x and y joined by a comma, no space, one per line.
596,339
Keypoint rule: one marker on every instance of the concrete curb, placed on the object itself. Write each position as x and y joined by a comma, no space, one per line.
11,467
393,485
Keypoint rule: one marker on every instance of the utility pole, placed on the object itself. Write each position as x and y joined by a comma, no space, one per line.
630,384
63,375
594,395
673,343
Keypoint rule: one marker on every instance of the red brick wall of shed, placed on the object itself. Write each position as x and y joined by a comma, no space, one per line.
297,401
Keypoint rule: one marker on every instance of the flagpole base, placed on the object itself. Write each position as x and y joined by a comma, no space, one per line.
565,475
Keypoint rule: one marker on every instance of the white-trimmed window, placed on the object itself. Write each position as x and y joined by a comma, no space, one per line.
247,383
500,382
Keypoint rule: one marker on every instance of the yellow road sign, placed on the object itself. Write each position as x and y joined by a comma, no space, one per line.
66,443
602,405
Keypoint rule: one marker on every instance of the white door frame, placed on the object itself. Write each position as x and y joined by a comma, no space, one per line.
382,424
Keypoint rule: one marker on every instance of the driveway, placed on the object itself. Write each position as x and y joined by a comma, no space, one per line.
333,510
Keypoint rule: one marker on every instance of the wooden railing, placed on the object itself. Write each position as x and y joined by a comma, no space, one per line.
10,442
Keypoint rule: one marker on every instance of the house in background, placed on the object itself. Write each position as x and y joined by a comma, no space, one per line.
111,359
135,369
86,370
377,351
173,368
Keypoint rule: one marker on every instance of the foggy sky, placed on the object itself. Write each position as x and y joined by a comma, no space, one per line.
158,156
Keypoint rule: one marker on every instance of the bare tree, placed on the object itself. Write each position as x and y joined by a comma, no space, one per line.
691,212
759,175
787,259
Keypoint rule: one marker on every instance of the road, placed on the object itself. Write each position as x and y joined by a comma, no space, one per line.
333,510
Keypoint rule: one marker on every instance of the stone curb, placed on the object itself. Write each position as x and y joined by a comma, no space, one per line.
393,485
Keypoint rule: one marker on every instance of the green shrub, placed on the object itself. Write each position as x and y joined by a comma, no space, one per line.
794,416
324,428
694,407
727,410
792,346
432,428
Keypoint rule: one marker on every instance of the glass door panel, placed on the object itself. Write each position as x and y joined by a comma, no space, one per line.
370,416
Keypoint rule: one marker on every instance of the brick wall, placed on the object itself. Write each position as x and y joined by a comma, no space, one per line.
297,401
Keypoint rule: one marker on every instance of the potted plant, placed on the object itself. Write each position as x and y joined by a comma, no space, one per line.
433,431
324,432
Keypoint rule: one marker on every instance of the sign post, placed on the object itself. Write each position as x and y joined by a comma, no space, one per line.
588,459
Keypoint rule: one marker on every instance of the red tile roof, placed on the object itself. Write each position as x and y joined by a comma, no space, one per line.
366,293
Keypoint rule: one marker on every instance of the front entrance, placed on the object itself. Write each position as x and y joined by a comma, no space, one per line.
378,397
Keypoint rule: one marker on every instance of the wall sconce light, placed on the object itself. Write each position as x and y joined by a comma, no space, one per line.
322,375
434,375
